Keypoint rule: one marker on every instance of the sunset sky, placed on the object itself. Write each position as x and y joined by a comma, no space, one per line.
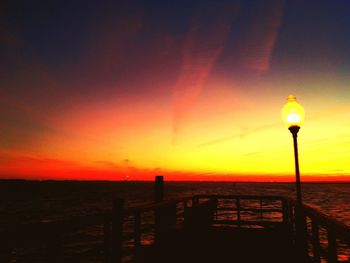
187,89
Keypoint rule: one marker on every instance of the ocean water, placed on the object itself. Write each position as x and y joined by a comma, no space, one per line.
41,201
45,201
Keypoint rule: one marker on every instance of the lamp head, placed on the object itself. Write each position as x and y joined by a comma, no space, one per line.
292,113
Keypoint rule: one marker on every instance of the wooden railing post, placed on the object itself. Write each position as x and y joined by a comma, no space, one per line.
195,201
201,216
261,210
316,242
215,208
185,204
332,247
159,189
291,213
285,212
301,233
287,219
116,240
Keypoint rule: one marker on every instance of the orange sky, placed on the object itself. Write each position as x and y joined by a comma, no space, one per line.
196,97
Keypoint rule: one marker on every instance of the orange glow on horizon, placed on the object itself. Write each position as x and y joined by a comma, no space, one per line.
142,145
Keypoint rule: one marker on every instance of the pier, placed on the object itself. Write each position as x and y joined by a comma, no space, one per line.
200,228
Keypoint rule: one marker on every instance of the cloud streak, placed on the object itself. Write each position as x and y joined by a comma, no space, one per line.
257,45
203,44
240,135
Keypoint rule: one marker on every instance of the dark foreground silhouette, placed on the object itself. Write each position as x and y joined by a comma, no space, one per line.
200,228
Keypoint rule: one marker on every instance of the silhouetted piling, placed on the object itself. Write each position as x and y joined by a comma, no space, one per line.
159,188
165,216
332,246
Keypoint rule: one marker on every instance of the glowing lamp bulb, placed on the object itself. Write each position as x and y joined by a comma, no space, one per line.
293,118
292,112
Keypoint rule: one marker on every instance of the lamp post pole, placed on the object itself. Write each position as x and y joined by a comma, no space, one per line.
294,130
293,116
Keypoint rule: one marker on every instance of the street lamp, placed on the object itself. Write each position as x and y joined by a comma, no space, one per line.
293,116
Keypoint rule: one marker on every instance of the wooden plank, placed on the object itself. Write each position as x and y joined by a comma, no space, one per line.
242,197
257,210
247,222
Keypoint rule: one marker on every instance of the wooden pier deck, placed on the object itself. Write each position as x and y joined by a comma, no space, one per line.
220,244
202,228
214,230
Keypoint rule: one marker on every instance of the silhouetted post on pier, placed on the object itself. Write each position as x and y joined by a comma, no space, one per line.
116,237
165,216
159,188
332,247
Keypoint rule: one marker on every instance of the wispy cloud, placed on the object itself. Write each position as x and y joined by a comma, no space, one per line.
256,47
240,135
203,45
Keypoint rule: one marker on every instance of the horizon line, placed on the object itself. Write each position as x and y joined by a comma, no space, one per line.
171,181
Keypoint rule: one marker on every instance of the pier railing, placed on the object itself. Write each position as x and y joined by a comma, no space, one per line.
123,231
328,240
